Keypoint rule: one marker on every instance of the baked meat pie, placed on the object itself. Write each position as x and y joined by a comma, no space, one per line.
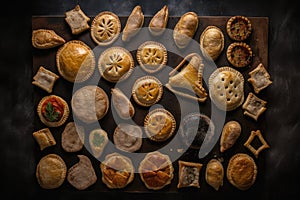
46,39
239,54
214,173
77,20
188,175
226,86
44,138
117,171
259,78
239,28
72,138
45,79
230,133
98,140
254,106
134,23
122,104
156,170
159,21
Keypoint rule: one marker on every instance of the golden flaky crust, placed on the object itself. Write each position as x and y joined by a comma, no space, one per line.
44,138
46,39
159,21
264,144
259,78
214,173
238,28
189,173
45,79
77,20
134,23
230,133
122,104
239,54
254,106
72,137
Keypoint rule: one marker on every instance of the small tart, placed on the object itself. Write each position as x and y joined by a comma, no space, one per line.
122,104
239,54
147,91
115,64
98,140
226,86
214,173
212,42
152,56
241,171
105,28
128,137
46,39
117,171
72,138
51,171
45,79
159,125
254,106
44,138
90,103
263,145
238,28
230,133
188,175
159,21
77,20
75,61
53,111
156,170
134,23
259,78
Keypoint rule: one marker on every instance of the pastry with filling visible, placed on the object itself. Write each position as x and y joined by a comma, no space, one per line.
122,104
45,79
98,140
134,23
188,175
230,133
263,143
72,138
239,28
77,20
46,39
44,138
259,78
239,54
159,21
254,106
214,173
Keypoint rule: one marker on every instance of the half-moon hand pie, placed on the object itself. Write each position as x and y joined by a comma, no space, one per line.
230,133
134,23
159,21
122,104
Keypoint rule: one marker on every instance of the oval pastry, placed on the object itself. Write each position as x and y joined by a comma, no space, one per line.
115,64
46,39
105,28
98,140
75,61
72,138
185,29
147,91
238,28
152,56
212,42
214,173
134,23
159,21
230,133
122,104
241,171
239,54
226,86
53,111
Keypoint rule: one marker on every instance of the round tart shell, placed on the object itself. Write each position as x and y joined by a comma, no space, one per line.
232,51
238,35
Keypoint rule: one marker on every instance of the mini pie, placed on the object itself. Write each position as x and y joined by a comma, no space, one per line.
152,56
264,144
147,91
72,137
53,111
159,125
44,138
230,133
254,106
214,173
122,104
159,21
134,23
156,170
77,20
98,140
188,174
238,28
185,29
212,42
51,171
239,54
259,78
117,171
46,39
45,79
115,64
226,86
90,103
75,61
105,28
128,137
241,171
82,175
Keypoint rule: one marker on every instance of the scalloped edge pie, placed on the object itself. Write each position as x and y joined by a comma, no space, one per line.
239,54
238,28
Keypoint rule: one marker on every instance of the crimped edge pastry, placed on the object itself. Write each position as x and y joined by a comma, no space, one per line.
232,20
182,175
243,62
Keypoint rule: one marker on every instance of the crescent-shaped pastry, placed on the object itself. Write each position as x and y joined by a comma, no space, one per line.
122,104
46,39
134,23
159,21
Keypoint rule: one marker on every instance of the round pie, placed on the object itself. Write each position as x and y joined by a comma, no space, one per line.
75,61
156,170
226,86
241,171
115,64
90,103
105,28
51,171
147,91
152,56
159,125
239,54
238,28
53,110
117,171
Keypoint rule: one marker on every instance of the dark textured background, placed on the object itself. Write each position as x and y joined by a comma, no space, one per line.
16,144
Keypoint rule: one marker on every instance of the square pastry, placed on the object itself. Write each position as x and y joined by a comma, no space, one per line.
77,20
259,78
45,79
254,106
44,138
189,173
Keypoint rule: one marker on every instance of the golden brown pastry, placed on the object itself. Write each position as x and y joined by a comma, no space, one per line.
159,125
105,28
115,64
230,133
77,20
188,175
51,171
90,103
159,21
185,29
226,88
239,54
53,111
156,170
214,173
212,42
44,138
98,140
264,144
117,171
75,61
122,104
259,78
241,171
239,28
254,106
45,79
72,137
46,39
134,23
